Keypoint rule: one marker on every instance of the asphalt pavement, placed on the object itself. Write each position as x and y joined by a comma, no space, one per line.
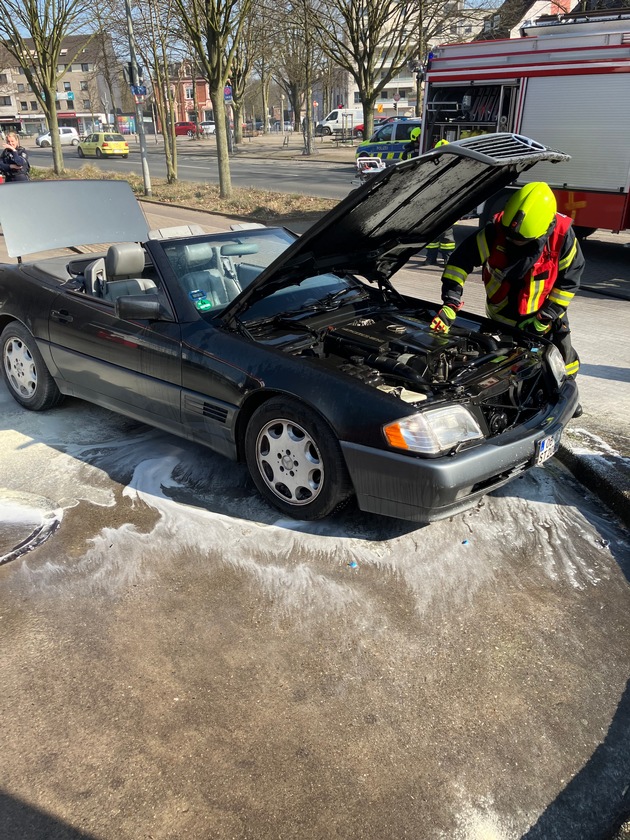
179,663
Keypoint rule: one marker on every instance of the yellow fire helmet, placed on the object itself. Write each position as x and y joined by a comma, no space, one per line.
441,143
414,134
529,211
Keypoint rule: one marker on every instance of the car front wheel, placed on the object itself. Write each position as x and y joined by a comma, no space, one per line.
44,144
25,371
80,152
295,460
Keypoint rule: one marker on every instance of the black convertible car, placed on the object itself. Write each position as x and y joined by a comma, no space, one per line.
295,355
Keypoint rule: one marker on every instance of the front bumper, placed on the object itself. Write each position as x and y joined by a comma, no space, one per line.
425,490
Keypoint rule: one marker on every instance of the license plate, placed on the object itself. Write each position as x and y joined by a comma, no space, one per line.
545,449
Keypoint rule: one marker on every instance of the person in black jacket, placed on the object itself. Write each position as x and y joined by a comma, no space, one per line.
14,163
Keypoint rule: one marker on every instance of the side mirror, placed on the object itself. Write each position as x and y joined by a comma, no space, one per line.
138,308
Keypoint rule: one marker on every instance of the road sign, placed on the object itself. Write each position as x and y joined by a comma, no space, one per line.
139,90
315,104
227,94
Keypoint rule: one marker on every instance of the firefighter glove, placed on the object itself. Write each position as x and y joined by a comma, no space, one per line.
549,312
535,325
445,318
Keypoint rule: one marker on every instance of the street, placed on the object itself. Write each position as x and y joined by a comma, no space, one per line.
186,664
197,162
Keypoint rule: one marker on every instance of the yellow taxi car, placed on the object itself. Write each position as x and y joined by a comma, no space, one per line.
103,144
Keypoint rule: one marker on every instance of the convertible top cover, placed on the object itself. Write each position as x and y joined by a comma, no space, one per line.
71,213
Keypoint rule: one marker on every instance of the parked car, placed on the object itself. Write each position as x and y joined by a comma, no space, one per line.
378,121
186,129
390,141
208,127
67,135
295,355
103,144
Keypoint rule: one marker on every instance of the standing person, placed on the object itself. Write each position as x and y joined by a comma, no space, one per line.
532,265
412,148
443,245
14,163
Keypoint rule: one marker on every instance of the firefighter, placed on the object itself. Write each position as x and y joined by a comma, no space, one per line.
444,245
412,148
532,264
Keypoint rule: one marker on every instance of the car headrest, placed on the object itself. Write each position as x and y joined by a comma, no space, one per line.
199,253
125,260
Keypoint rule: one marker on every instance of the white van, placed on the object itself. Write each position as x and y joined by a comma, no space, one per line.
68,136
341,119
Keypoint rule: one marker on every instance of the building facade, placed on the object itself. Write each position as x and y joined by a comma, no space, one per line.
89,95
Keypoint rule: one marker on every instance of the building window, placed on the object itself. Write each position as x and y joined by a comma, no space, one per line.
84,85
3,79
487,26
20,87
67,86
357,98
87,104
64,52
34,106
61,68
453,29
189,92
24,106
468,30
70,105
496,20
85,68
384,94
19,71
5,100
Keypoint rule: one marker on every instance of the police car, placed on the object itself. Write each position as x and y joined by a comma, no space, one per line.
390,141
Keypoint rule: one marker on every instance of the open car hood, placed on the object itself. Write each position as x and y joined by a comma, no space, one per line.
45,215
380,225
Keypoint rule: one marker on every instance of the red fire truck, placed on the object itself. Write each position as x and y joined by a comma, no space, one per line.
564,82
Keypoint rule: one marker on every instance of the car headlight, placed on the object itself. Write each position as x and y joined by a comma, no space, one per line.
434,431
556,363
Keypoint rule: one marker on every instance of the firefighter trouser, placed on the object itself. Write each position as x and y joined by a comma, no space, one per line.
560,335
443,244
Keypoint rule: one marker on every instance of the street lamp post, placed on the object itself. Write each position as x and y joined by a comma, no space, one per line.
139,116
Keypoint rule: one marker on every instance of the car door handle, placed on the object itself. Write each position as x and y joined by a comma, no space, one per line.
61,315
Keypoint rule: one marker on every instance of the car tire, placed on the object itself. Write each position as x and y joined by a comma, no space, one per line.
358,135
295,460
80,152
99,154
327,131
44,144
75,142
24,370
124,157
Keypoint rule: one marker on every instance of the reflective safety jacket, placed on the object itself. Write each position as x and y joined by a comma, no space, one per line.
554,277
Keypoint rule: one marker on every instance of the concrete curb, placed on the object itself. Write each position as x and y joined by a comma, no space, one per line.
605,475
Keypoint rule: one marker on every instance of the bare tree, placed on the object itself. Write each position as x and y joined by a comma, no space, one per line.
214,29
372,41
34,32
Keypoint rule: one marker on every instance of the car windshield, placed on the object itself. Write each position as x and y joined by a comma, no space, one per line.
218,267
321,293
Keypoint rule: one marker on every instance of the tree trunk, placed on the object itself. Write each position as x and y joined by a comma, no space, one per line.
53,125
221,133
